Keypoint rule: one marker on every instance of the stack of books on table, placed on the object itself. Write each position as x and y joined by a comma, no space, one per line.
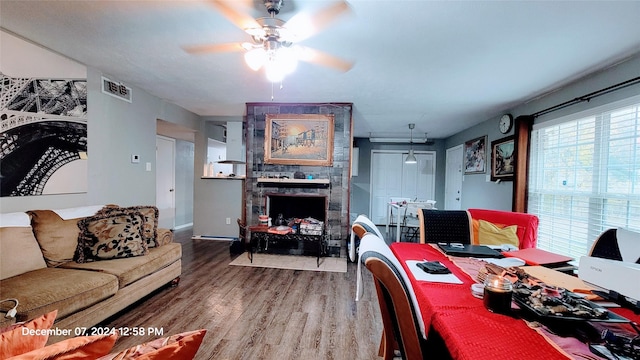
539,257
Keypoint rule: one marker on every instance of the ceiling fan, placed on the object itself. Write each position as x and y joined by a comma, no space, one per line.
274,44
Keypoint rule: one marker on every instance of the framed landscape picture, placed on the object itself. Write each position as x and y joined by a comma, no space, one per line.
299,139
475,156
503,159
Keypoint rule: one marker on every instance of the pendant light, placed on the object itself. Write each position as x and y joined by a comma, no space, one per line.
411,158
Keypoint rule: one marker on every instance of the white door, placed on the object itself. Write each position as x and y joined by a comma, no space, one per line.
453,179
386,182
165,181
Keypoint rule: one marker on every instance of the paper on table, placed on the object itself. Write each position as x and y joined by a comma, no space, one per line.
420,275
505,262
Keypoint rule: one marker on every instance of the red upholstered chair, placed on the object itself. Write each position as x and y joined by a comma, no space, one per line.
527,223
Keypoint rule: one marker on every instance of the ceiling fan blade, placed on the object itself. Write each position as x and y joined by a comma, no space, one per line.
306,25
213,48
239,19
321,58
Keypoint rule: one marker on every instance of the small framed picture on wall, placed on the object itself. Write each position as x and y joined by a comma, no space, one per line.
475,156
503,159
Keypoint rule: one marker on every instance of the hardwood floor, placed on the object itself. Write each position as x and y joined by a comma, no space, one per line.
259,313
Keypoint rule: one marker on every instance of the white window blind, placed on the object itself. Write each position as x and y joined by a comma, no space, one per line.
585,177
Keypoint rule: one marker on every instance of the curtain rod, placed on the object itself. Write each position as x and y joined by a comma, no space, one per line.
588,97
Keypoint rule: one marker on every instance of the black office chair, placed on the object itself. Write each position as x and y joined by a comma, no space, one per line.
450,226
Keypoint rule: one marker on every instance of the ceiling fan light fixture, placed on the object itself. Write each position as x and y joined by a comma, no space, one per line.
274,71
256,33
255,58
287,59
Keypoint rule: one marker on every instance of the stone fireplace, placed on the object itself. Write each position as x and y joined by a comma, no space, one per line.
271,188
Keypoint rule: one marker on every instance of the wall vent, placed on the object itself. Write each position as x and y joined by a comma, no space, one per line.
116,89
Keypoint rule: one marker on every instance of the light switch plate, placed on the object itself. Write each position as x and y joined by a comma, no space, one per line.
135,159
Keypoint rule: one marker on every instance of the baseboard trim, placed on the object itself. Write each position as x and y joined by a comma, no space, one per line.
214,237
183,226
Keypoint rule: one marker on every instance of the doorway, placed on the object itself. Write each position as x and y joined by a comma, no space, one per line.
453,179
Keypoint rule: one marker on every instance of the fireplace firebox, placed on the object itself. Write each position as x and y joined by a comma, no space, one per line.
296,206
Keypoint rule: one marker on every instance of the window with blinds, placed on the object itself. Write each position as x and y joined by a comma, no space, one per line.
585,176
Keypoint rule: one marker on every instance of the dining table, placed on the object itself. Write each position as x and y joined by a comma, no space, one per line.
468,329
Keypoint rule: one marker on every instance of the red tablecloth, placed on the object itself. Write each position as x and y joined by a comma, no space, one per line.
469,330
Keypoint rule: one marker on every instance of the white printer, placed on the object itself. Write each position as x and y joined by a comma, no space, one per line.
620,276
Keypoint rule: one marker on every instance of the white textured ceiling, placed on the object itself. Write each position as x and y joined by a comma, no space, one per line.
444,65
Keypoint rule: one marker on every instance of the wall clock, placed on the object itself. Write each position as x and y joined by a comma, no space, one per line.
505,124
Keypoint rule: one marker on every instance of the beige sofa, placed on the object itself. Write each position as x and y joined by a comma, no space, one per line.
39,263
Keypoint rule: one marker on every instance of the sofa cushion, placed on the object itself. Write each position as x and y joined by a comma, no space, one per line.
13,342
131,269
20,251
150,220
109,236
58,238
44,290
57,231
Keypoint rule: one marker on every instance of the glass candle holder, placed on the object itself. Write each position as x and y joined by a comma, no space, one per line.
497,294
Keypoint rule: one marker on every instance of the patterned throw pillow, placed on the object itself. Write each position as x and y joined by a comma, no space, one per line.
150,223
109,236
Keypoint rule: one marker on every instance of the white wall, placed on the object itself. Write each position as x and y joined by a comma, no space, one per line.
116,129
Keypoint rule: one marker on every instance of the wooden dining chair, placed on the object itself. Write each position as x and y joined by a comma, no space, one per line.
359,228
361,225
450,226
403,326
